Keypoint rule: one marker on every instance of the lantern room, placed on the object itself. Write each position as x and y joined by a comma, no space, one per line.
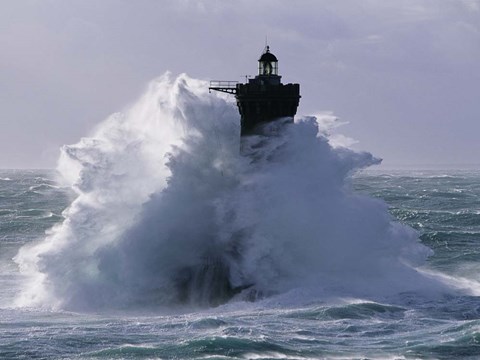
267,64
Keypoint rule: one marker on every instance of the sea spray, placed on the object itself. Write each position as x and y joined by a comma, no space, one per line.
114,172
173,207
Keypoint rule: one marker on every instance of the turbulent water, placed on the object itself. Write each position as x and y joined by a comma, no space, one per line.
162,235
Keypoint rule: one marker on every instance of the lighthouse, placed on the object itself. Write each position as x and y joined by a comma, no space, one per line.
264,98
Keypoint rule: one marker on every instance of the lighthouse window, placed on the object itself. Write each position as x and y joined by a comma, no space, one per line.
268,68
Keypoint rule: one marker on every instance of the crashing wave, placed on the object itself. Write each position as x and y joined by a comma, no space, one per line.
173,207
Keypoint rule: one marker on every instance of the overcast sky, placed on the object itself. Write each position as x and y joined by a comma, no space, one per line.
404,74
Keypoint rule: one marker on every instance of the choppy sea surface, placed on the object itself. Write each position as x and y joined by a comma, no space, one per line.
443,206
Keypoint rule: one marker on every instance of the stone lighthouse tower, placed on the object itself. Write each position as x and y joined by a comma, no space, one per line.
263,98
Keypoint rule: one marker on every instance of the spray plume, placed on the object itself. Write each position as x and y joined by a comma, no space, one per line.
173,207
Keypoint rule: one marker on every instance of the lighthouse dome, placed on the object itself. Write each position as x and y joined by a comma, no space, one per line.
268,56
267,64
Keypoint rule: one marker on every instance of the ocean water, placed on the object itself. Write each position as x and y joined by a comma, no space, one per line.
163,236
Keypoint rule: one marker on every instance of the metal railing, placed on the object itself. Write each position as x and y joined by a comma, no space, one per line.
229,87
223,84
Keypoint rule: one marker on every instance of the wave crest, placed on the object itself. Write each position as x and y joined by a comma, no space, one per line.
173,207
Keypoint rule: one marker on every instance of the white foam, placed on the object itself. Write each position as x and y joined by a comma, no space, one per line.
165,185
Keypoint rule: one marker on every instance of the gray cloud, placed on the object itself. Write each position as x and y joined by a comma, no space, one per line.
405,75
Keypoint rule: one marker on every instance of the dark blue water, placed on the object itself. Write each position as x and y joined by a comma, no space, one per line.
443,206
